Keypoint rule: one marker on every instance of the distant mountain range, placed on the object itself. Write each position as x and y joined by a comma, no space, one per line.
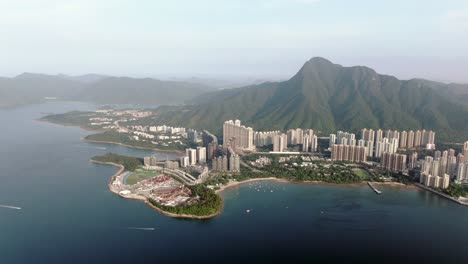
33,88
328,97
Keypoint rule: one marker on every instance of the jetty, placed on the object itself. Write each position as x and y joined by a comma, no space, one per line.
373,188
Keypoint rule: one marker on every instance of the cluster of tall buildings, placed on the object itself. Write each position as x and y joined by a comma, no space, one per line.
193,156
229,162
437,171
378,142
150,161
167,129
304,137
237,136
462,167
280,143
352,153
210,142
264,138
393,161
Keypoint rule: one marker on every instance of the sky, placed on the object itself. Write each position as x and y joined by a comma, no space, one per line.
230,39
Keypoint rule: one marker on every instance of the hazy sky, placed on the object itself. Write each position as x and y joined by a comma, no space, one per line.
257,38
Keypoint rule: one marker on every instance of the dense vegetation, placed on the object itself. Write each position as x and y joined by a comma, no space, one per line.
329,97
130,163
457,190
209,203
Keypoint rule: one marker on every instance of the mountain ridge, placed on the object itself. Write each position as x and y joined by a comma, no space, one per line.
328,97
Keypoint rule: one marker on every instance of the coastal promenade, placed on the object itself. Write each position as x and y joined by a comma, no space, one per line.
465,203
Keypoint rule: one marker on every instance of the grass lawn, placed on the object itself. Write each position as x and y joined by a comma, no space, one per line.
362,174
140,175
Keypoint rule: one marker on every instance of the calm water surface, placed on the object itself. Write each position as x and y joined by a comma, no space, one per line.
69,216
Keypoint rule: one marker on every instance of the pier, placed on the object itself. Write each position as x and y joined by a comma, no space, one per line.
373,188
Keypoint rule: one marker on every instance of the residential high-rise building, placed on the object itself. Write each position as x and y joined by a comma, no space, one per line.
370,148
306,143
393,161
349,153
378,136
237,136
280,143
150,161
210,142
367,134
403,139
465,151
332,140
417,138
410,141
192,155
313,143
435,168
264,138
413,159
201,154
184,161
452,166
462,173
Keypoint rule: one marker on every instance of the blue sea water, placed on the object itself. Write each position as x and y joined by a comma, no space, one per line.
69,216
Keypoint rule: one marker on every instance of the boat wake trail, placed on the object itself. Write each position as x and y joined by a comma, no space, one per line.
10,207
142,228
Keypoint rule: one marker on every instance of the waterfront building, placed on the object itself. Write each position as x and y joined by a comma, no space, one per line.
413,160
426,169
452,166
237,135
461,172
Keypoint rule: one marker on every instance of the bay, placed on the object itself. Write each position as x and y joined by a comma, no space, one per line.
68,216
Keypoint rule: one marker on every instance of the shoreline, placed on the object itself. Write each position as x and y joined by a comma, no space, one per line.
274,179
145,200
129,146
107,142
